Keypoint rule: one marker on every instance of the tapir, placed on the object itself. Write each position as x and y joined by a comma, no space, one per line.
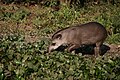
78,35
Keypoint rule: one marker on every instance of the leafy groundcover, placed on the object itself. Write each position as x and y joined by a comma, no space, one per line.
28,61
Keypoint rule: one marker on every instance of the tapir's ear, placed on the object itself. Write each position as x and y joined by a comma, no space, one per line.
57,36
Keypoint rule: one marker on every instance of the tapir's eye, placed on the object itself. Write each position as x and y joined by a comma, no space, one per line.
53,44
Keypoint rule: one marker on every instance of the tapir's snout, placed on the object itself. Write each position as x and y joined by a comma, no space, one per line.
50,49
54,45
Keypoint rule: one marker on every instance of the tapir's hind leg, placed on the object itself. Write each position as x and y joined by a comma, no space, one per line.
97,49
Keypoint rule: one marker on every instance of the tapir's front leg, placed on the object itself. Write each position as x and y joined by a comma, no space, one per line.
73,47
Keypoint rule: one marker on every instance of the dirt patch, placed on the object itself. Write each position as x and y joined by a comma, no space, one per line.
114,48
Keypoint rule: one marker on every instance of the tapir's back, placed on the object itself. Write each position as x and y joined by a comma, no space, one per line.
88,33
91,33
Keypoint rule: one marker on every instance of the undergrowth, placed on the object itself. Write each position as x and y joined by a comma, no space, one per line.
24,39
26,61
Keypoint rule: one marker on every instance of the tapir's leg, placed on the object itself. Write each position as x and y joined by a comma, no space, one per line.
72,47
97,49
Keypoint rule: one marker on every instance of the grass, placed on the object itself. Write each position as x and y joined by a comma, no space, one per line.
42,21
25,33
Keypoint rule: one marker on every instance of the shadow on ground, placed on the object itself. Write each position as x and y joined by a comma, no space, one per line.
87,49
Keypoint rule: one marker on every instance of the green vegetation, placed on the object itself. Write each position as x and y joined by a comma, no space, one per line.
24,38
21,61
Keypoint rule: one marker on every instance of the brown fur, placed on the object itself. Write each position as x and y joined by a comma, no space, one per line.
81,34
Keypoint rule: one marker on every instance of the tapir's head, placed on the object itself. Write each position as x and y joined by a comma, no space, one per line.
56,42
